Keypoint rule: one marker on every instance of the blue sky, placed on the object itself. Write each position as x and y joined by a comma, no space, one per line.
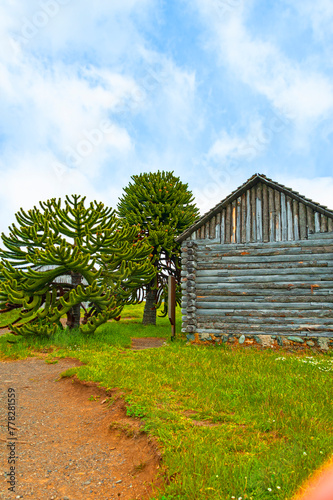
216,90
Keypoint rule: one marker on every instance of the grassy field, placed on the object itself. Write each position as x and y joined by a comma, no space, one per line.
232,423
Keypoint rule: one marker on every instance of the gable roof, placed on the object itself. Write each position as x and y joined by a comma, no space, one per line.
252,181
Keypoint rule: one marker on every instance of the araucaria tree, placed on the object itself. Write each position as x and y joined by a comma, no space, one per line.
59,257
163,207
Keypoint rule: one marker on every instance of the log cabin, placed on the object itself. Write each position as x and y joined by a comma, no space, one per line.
258,269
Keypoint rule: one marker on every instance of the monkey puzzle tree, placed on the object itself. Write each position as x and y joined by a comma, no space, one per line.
163,207
103,257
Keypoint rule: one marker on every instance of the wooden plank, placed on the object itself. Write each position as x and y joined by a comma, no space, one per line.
223,216
259,213
278,231
212,225
329,224
194,235
218,227
290,222
248,216
233,221
243,227
310,220
265,212
238,219
302,221
284,233
271,209
317,222
323,224
228,224
253,215
295,208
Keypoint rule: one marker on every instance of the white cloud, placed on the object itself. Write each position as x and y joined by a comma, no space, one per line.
293,88
318,14
318,189
236,147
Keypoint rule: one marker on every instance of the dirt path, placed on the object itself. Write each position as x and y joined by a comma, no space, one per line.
65,448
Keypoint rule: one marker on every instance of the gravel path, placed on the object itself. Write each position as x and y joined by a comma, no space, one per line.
65,448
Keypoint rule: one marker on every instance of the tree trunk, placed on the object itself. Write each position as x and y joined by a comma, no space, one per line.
73,316
149,314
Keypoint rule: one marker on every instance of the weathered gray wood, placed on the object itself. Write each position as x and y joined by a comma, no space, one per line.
207,229
229,315
321,237
271,209
238,219
223,215
212,225
218,227
259,213
278,224
248,216
317,222
292,279
290,222
310,270
323,223
258,305
302,221
330,224
284,228
267,285
296,219
273,258
309,264
243,217
265,213
253,215
310,220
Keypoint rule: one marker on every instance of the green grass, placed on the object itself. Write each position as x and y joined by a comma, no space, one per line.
230,422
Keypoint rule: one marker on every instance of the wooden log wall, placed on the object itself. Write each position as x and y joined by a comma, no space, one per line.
263,214
269,288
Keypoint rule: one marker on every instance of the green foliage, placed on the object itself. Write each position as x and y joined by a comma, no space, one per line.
163,207
104,256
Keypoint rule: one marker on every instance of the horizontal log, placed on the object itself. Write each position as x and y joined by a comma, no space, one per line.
319,254
321,271
233,306
321,236
293,329
314,250
281,299
206,243
293,279
265,265
272,293
244,331
269,314
266,285
304,322
270,258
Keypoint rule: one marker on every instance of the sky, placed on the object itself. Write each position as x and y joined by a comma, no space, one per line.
92,93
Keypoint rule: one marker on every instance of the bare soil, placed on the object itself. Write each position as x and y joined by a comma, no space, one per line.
72,444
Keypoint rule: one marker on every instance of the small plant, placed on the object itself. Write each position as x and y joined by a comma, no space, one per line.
93,398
